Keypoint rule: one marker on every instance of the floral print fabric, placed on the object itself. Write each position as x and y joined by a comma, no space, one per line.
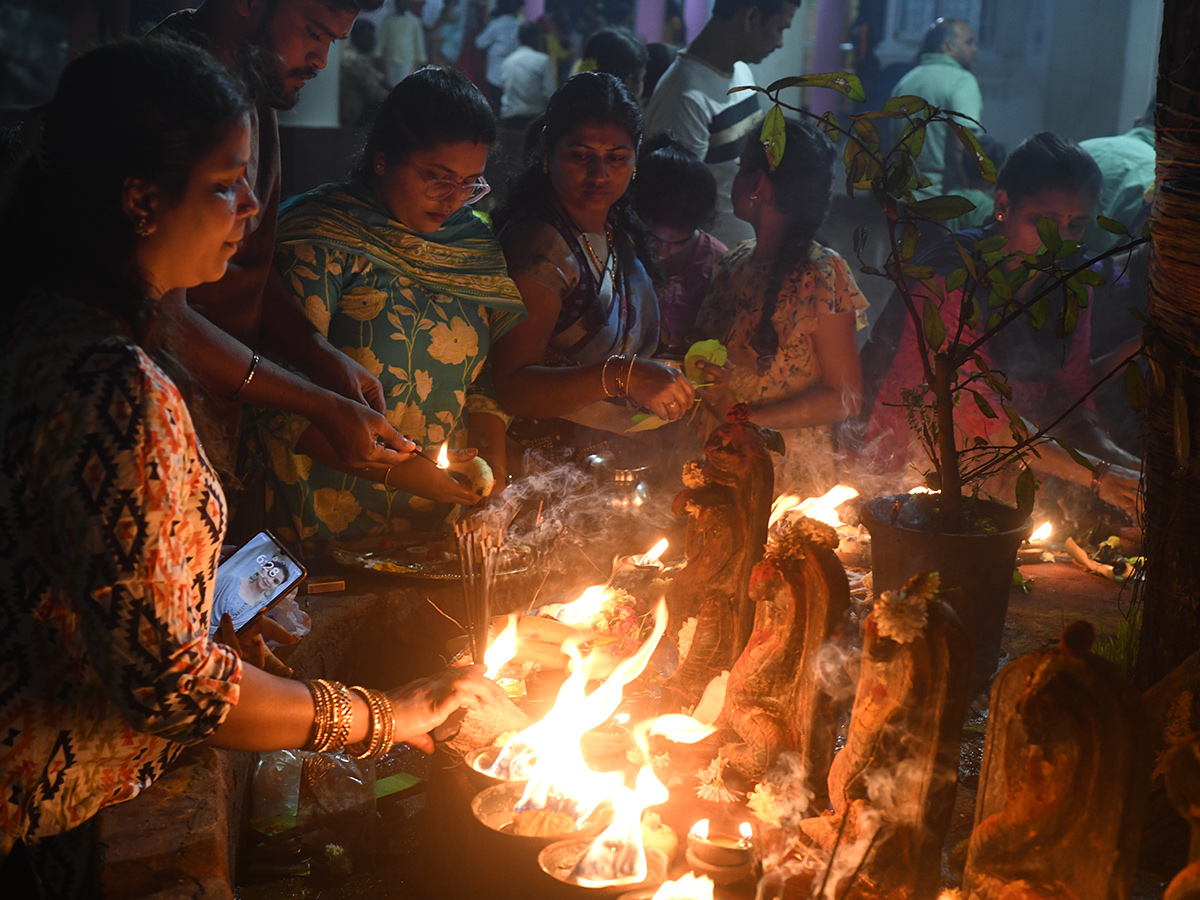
419,312
820,285
111,520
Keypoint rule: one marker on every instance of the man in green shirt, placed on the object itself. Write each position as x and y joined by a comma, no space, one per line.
1127,163
943,78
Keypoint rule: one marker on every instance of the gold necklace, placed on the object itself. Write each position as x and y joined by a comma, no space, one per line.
602,269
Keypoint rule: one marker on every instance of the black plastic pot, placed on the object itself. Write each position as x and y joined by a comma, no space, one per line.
976,569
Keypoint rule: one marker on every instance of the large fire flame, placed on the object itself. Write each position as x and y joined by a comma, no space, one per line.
618,856
503,648
823,508
548,753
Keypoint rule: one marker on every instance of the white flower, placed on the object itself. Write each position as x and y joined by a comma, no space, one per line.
902,615
712,786
762,803
693,475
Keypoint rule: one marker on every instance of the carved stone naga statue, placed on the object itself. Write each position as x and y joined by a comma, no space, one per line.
1064,779
774,700
727,499
892,785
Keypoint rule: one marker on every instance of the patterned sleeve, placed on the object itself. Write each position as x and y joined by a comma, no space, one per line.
125,484
839,292
535,250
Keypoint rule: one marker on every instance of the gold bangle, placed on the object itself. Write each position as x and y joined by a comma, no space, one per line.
629,373
386,486
604,377
382,730
322,716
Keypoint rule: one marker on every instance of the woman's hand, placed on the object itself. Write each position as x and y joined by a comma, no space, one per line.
360,437
423,705
716,395
251,644
658,388
335,371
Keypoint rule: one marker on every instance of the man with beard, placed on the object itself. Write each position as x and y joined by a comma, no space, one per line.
276,46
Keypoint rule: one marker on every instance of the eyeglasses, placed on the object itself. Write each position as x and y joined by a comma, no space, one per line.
444,188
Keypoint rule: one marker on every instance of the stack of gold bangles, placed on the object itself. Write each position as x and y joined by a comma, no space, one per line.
335,717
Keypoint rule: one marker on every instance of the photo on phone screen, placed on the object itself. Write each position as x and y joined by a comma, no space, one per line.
256,576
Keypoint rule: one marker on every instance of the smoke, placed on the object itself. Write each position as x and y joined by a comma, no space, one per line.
837,666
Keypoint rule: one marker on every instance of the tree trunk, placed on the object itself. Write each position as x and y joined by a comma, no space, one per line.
1171,611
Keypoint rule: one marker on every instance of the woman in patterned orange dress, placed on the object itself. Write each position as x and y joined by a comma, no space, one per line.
111,518
787,309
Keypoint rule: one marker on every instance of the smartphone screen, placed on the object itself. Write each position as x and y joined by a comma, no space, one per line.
253,579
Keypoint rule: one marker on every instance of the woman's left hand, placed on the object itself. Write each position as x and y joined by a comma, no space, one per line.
658,388
716,395
423,705
251,644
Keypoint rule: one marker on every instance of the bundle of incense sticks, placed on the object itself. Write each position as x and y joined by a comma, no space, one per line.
477,554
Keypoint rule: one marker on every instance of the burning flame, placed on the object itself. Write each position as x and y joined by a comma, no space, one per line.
618,856
689,887
921,489
548,752
443,457
700,830
746,832
651,556
503,648
1042,533
586,606
823,508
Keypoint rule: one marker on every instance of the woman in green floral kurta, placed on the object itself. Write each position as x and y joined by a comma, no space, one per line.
398,274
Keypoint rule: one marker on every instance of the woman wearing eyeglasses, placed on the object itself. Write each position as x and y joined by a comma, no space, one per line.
398,273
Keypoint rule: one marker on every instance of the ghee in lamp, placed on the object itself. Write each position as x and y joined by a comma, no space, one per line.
720,850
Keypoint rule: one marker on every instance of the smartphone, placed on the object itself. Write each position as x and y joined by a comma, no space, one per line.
253,579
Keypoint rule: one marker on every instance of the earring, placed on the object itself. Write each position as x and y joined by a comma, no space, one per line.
378,168
754,196
142,226
545,167
634,176
999,217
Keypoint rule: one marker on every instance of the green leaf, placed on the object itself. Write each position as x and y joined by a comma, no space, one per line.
907,105
844,82
1112,226
966,257
918,272
1039,311
710,351
948,206
1027,486
1048,231
1135,387
773,136
829,125
867,133
1091,276
984,406
1074,454
990,244
967,138
912,141
935,330
956,279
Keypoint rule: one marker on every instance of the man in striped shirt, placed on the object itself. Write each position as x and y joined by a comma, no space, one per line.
692,98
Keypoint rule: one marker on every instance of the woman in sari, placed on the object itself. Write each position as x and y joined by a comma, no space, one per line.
576,369
399,274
